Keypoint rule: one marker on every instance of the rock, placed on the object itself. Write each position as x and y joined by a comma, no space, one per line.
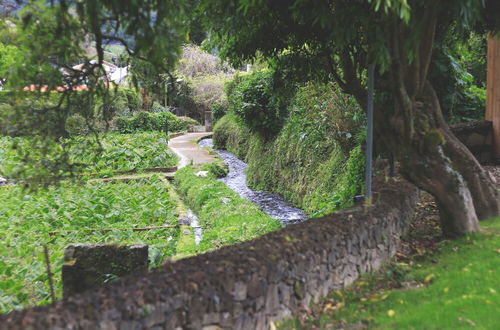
2,181
240,291
184,220
202,173
87,266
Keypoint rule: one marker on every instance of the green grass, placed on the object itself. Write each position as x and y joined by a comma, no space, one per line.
119,152
76,213
457,288
226,218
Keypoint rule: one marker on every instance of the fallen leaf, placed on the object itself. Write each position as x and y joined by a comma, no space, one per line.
391,313
470,322
333,306
446,290
429,278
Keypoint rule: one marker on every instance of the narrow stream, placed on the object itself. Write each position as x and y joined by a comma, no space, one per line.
194,223
273,204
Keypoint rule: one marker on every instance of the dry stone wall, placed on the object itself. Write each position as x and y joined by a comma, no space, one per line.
244,286
478,138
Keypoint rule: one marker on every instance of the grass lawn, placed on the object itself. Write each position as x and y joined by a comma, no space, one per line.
456,288
76,213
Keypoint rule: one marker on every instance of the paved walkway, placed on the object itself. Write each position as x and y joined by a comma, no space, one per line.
188,151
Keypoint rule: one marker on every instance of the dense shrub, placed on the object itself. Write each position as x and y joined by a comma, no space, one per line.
148,121
127,101
323,112
231,134
252,99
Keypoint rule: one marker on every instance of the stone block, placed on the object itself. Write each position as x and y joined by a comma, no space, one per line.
475,139
87,266
240,291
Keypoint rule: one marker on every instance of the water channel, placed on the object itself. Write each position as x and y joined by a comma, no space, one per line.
273,204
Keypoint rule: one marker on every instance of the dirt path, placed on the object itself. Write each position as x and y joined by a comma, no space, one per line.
188,151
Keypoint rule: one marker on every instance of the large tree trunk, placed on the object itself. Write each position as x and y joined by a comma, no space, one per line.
414,130
426,163
430,155
485,196
484,193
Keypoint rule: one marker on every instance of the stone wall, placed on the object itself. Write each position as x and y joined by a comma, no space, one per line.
243,286
478,137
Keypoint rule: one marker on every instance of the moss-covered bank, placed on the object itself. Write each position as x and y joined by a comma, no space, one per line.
314,161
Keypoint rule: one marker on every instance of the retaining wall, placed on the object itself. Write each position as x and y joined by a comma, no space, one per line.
246,285
477,137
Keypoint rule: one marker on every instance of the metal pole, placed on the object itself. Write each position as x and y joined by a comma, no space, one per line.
369,137
166,94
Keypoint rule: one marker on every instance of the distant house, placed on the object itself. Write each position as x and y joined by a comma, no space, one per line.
115,74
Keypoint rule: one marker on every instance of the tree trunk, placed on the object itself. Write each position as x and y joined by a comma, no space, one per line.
485,196
429,155
484,193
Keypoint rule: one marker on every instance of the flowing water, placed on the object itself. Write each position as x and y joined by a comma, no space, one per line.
274,205
193,222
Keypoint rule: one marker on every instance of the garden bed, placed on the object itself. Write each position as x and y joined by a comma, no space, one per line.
120,152
139,212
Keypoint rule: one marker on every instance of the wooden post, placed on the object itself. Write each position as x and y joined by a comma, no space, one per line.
493,91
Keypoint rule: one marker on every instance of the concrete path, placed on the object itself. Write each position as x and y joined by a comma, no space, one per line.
188,151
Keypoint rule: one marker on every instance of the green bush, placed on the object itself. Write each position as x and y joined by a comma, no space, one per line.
231,134
218,111
252,99
217,169
123,102
148,121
